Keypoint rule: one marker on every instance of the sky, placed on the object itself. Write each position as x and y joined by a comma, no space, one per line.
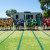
19,5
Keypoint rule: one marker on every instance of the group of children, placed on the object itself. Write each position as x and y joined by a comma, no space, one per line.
46,23
18,23
31,23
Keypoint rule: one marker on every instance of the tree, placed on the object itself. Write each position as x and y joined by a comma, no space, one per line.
44,4
48,11
10,12
43,8
45,14
7,12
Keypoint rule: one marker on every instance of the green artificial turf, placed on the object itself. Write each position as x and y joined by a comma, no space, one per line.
28,41
48,32
1,32
44,39
12,42
4,35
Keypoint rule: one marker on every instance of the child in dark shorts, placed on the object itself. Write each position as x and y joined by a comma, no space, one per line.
22,22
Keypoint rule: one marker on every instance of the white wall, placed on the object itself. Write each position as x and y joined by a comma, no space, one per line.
21,15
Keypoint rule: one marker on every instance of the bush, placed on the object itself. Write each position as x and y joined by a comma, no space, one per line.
45,14
48,11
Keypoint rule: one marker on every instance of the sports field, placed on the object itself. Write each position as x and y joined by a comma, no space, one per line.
24,40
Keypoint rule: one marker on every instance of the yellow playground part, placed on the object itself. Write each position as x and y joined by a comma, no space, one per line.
5,22
2,22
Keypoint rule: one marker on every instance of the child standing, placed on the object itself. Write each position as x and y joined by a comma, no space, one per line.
44,24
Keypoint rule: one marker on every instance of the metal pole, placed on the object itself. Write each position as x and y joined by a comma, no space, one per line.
25,23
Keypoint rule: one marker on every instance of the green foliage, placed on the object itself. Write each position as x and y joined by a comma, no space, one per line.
40,1
48,11
42,7
10,12
45,14
43,3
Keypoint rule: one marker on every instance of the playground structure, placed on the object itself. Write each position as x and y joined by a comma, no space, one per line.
4,23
